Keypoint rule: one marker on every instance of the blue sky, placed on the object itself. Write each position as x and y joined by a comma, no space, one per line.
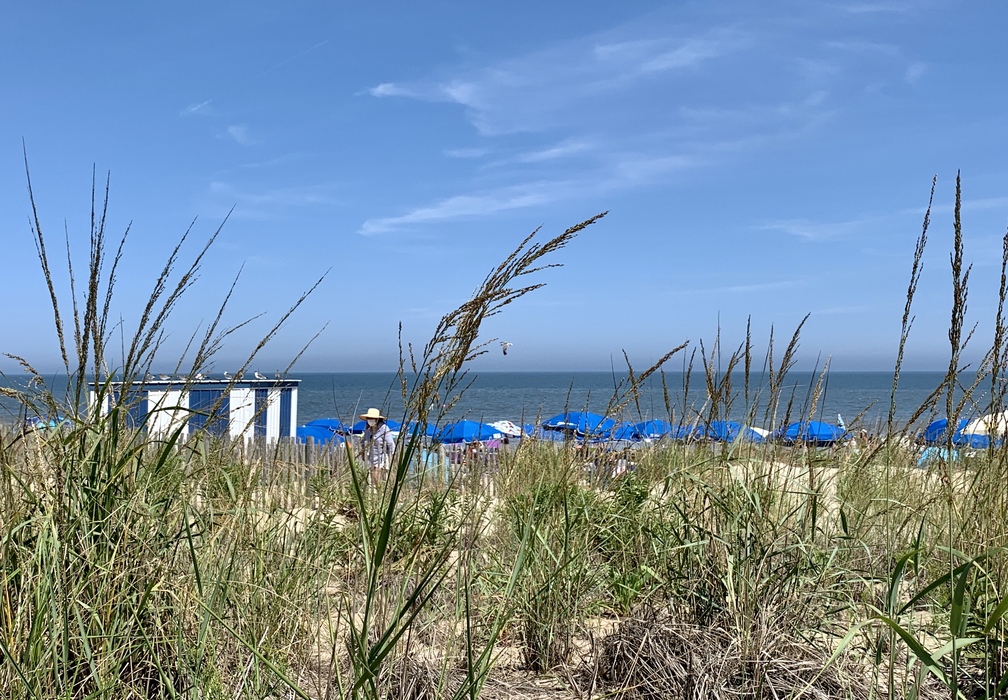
759,162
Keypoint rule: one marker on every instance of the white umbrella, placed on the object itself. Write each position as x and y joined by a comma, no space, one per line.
991,424
508,428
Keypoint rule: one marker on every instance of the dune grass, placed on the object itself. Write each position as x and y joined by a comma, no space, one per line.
138,565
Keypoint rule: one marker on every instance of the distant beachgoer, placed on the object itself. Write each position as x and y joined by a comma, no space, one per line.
377,445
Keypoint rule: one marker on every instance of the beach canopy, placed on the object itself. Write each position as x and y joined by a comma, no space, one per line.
319,434
991,424
654,429
333,424
580,423
812,432
687,433
730,431
508,428
427,429
936,433
626,432
467,431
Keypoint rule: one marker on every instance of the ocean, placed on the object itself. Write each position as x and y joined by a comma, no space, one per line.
522,397
526,396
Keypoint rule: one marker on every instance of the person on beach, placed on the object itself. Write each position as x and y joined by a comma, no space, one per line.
377,445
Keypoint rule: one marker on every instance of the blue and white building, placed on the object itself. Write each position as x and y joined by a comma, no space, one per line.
246,409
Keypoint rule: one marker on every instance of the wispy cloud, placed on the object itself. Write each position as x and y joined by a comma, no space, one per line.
393,90
563,84
240,134
264,203
464,206
819,231
466,152
547,154
197,108
754,288
561,150
915,71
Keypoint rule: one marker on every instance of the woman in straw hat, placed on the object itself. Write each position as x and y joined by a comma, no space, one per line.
377,445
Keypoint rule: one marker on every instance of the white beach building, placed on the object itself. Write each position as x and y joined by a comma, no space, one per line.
246,409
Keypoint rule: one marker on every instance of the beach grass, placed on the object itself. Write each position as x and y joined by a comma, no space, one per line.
138,565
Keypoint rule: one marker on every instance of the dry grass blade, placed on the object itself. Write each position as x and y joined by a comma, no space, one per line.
455,339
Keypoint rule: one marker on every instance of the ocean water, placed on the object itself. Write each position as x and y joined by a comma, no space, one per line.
524,397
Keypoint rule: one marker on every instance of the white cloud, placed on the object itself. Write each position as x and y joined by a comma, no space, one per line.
568,83
240,133
915,71
264,203
466,206
391,90
199,108
561,150
821,231
466,152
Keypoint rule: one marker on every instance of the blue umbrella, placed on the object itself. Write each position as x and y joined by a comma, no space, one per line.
467,431
319,434
580,422
812,432
686,433
333,424
427,430
627,432
936,433
654,429
730,431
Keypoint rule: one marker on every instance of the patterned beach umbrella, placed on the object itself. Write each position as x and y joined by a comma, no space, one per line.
580,423
507,428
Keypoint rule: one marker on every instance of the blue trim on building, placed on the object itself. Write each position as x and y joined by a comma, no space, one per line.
261,403
286,429
201,402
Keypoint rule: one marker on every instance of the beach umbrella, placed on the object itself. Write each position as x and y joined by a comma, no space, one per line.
333,424
507,428
319,434
580,422
687,433
936,433
812,432
654,429
991,424
427,430
625,432
730,431
467,431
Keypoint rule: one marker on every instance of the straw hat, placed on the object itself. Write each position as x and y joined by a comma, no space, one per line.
372,413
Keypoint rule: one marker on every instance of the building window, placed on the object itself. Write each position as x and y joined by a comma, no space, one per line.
204,401
285,413
261,404
134,402
136,408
